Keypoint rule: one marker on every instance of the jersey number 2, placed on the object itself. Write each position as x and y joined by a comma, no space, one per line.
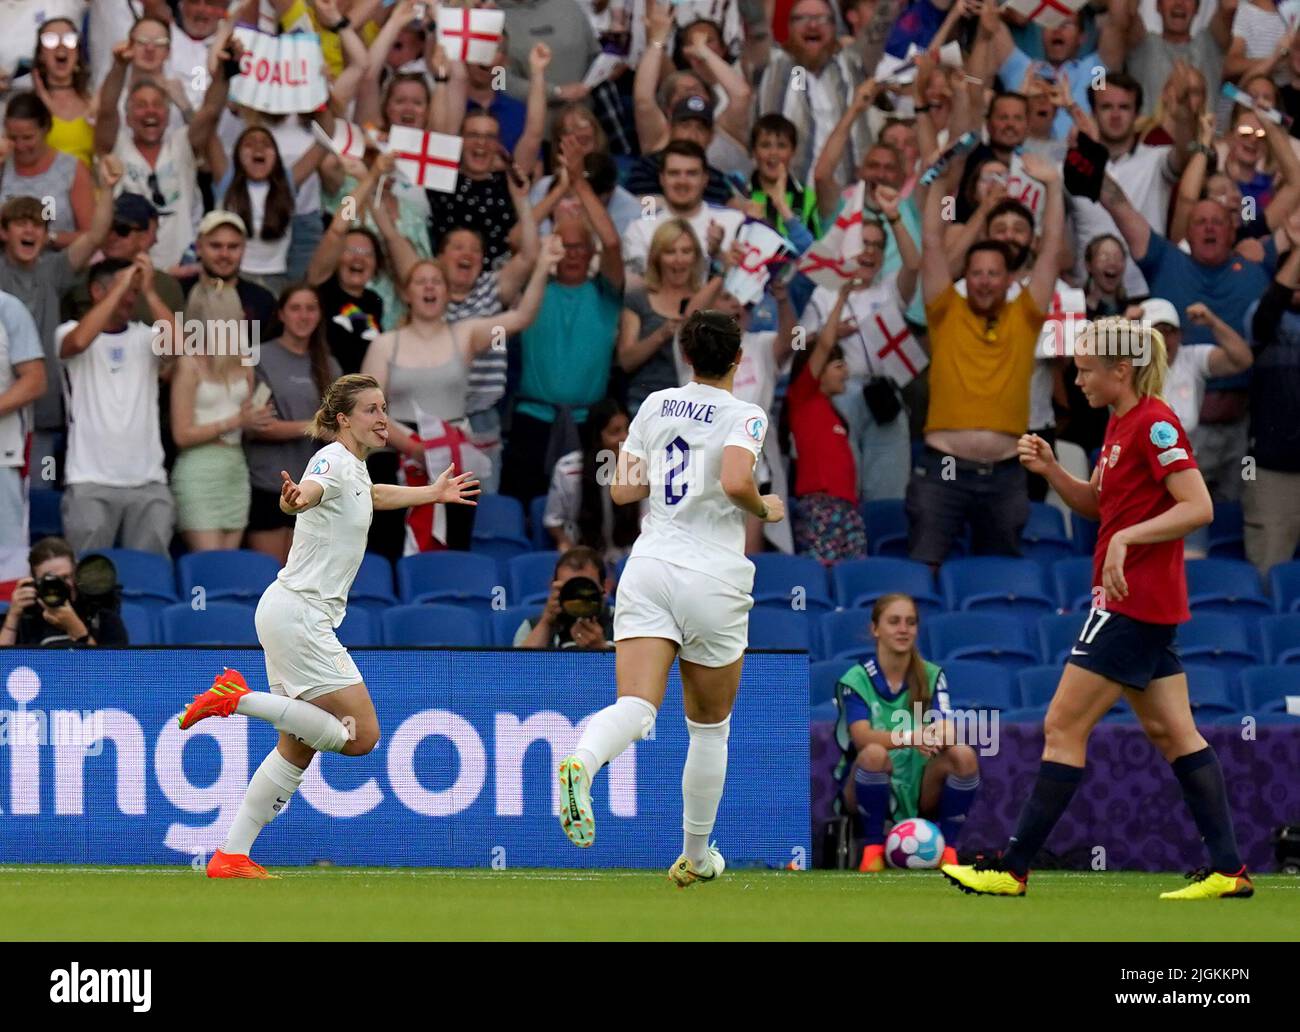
679,457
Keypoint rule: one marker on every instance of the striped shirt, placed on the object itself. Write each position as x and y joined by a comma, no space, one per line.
487,373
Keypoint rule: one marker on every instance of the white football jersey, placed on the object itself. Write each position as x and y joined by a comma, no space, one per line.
680,434
329,539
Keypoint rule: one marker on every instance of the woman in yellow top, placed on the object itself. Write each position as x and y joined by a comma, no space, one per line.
61,78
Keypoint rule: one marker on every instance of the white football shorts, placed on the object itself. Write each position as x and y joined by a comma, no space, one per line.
304,659
707,617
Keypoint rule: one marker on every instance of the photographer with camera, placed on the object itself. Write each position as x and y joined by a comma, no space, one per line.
63,602
576,615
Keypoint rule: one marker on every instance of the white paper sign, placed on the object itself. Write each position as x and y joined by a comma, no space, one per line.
280,75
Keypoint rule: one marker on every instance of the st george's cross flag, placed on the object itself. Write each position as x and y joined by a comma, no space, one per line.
833,258
470,35
895,353
762,246
430,160
1050,14
349,139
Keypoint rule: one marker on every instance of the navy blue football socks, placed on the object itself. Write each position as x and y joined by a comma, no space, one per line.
955,802
1053,789
1202,779
872,790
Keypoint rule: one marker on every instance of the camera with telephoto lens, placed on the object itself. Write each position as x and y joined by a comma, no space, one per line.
52,591
579,597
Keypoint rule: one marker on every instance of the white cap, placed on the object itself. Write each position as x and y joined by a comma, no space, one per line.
214,219
1157,310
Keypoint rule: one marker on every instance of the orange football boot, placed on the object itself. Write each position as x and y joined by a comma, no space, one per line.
949,856
873,858
218,701
231,865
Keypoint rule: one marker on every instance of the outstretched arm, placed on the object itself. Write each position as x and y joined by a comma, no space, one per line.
1042,280
447,489
935,275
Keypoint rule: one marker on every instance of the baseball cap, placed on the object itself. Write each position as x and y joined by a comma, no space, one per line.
215,219
693,107
134,210
1157,310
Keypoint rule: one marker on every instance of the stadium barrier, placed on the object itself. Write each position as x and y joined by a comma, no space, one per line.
94,769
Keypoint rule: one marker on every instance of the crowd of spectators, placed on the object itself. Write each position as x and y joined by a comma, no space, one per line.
612,153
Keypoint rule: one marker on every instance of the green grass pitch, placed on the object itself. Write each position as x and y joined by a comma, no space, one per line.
156,903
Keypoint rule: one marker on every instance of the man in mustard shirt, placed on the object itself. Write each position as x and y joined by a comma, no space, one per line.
981,360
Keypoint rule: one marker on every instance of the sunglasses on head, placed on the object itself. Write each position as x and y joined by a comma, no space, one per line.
53,40
1245,130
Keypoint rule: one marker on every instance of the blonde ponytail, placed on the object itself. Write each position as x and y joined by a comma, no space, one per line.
340,399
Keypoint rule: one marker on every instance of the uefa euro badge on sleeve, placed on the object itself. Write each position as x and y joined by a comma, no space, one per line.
1163,434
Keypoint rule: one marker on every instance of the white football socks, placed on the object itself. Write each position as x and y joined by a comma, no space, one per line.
703,776
612,730
274,782
310,724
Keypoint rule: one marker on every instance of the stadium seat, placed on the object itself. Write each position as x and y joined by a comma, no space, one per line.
1265,689
1216,640
1281,635
358,628
1209,693
1057,634
432,625
531,576
460,577
822,678
1044,538
219,623
1227,532
1037,686
781,580
45,518
139,622
823,712
846,635
503,623
859,582
995,637
886,521
975,684
373,588
1072,582
146,578
237,574
1284,586
499,527
995,584
779,629
537,532
1225,586
1083,534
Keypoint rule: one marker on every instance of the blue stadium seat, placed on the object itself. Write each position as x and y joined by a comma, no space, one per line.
1284,586
220,623
531,576
975,684
503,623
1281,636
996,584
139,622
846,635
1209,693
1057,634
859,582
537,532
1216,640
1264,689
373,587
237,573
358,628
1044,538
886,521
1225,586
1227,532
1037,686
823,712
1083,534
46,516
460,577
779,577
822,678
499,527
995,637
779,629
146,577
1072,581
432,625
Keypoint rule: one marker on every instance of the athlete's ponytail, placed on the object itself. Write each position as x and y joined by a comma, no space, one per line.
918,683
340,399
1125,340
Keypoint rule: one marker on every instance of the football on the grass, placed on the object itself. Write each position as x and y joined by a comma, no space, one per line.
914,843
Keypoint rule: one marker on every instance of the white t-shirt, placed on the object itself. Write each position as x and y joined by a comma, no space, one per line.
293,141
1185,383
1144,174
264,257
19,343
110,392
178,184
862,307
636,240
329,540
680,435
